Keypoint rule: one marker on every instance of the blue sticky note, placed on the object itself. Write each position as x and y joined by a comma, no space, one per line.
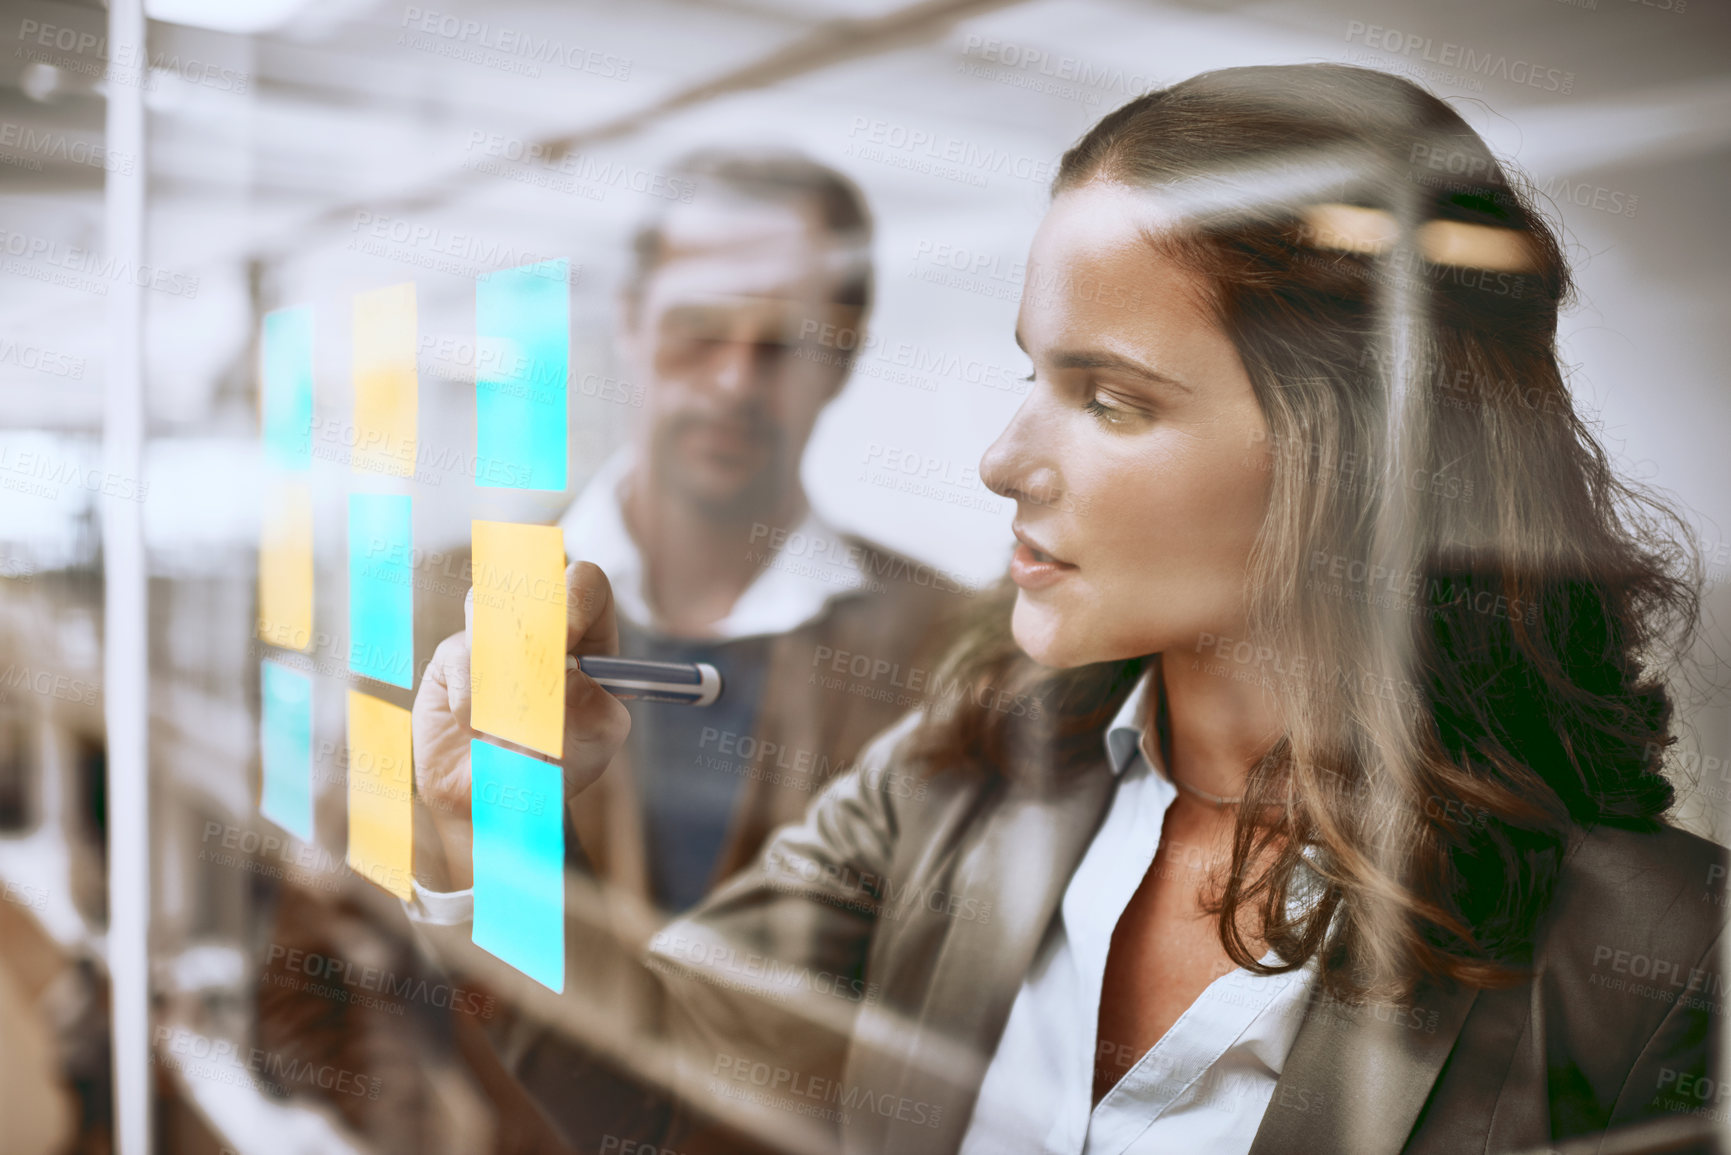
517,805
286,366
381,589
286,745
522,355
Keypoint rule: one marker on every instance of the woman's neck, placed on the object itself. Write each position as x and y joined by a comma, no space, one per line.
1215,728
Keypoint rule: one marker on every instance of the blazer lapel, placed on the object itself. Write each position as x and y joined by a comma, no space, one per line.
1010,883
1358,1076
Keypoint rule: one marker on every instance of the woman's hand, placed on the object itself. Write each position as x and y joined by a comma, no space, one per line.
596,723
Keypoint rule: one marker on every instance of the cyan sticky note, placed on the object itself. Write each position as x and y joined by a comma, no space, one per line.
286,401
516,806
522,356
381,588
286,746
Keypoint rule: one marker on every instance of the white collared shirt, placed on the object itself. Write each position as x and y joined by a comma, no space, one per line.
803,569
1203,1087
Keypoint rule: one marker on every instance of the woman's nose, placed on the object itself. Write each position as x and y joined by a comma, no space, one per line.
1017,465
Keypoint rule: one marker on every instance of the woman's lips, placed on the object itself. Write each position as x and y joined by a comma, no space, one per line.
1033,570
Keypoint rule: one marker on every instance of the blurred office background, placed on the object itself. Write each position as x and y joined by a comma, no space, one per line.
301,151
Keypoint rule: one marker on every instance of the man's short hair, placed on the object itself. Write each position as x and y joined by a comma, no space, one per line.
772,176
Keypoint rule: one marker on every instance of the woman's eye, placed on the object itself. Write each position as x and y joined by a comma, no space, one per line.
1105,412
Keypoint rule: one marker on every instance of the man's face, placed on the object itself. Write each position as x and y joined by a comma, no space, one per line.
727,334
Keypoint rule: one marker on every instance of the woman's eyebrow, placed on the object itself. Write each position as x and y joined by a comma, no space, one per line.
1094,359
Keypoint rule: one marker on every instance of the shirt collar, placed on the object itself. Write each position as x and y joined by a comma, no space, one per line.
812,566
1124,733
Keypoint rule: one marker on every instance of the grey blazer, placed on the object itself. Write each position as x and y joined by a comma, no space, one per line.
851,985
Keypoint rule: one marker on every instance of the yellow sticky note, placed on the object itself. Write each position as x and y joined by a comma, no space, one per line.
517,637
386,403
381,817
285,567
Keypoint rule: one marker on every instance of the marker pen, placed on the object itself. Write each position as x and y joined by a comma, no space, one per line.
682,683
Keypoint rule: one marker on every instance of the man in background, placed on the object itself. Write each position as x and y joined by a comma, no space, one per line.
737,316
703,526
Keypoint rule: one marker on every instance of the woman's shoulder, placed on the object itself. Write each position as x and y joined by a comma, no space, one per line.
1667,858
1665,886
891,765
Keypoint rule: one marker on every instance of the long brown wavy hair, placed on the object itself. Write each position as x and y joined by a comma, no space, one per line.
1465,614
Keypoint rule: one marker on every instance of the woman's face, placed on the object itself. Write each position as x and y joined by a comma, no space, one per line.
1138,463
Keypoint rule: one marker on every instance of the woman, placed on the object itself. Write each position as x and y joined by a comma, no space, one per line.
1341,828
